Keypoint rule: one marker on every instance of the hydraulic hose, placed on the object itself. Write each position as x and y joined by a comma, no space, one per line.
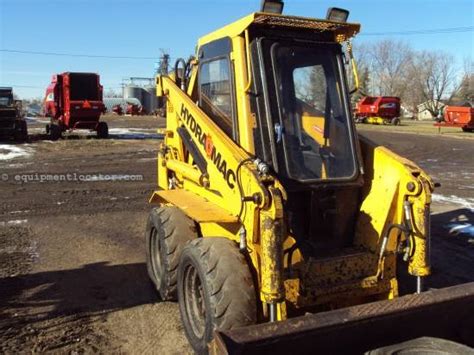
239,185
181,82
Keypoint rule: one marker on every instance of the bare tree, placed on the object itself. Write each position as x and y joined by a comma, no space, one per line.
362,56
389,61
413,96
112,93
393,68
435,77
464,93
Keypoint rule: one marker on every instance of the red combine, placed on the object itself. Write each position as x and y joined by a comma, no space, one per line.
458,116
74,101
378,110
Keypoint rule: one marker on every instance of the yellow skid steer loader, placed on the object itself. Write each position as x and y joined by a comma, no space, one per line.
278,229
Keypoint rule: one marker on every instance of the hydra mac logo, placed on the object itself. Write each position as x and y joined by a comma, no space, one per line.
205,141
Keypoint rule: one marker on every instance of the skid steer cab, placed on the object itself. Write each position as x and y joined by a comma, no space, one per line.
269,206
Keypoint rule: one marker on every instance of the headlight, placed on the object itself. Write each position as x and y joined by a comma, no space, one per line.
337,14
272,7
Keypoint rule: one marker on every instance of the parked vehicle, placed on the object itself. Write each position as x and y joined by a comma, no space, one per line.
378,110
458,116
12,122
74,101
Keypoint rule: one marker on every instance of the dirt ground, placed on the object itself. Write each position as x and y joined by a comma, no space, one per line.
72,272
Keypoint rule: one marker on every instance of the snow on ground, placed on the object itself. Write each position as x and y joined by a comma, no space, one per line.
455,200
37,119
8,151
134,133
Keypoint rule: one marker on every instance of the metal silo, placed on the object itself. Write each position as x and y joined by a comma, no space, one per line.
146,100
153,100
133,92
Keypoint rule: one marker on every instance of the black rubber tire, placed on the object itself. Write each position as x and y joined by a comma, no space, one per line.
395,121
102,130
21,132
167,232
465,129
424,345
55,132
215,271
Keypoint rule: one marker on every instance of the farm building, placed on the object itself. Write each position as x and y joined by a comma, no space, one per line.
424,114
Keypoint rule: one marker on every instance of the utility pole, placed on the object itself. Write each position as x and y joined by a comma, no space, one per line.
163,65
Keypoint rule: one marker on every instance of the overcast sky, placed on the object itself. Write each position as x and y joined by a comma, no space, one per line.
139,28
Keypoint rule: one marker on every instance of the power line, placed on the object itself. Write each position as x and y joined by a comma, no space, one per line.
44,87
76,55
422,32
23,86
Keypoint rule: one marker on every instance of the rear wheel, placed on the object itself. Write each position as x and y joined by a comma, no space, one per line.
215,290
168,231
465,129
55,132
102,130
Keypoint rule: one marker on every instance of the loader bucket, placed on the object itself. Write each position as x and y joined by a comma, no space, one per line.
444,313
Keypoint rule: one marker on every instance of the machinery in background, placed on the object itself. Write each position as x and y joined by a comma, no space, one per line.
458,116
12,122
378,110
74,101
134,109
117,109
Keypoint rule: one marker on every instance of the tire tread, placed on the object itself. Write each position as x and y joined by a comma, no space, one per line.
174,230
231,287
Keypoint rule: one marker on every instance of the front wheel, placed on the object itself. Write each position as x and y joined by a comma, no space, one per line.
215,290
395,121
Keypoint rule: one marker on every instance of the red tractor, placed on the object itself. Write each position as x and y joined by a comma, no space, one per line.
378,110
74,101
118,110
458,116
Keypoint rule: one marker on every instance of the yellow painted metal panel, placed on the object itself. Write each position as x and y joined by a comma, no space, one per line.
194,206
245,122
342,31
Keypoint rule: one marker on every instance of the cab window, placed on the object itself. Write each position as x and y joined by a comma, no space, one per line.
215,92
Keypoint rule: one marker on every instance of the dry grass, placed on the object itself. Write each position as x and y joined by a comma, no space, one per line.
418,127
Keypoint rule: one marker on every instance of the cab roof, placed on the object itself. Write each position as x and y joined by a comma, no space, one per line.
342,30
